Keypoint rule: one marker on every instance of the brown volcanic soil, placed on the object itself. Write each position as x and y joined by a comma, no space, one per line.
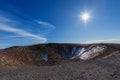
103,67
98,69
27,56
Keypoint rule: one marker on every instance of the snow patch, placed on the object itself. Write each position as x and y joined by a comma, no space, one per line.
95,51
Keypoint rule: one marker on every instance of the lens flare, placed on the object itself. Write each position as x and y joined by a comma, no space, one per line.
85,16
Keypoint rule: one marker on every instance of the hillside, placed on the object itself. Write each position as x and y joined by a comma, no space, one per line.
55,53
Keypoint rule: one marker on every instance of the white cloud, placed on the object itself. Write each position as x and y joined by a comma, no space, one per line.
2,46
104,41
7,20
21,32
45,24
4,26
4,19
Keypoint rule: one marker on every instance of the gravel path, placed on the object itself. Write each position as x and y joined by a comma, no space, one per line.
100,69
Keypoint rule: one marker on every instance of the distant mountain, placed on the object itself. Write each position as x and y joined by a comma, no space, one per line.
55,53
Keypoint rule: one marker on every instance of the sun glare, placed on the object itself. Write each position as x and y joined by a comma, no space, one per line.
85,17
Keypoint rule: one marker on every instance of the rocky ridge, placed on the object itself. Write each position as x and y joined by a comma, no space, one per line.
50,54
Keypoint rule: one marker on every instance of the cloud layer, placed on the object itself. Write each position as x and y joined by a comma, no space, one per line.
7,27
21,32
104,41
46,24
2,46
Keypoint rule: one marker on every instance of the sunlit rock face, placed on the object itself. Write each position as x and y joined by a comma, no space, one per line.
92,52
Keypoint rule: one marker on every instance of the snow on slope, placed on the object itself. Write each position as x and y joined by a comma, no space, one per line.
82,52
94,51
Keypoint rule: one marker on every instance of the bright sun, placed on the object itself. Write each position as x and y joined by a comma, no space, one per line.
85,17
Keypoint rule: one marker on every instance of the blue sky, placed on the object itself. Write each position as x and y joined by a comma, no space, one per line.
27,22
